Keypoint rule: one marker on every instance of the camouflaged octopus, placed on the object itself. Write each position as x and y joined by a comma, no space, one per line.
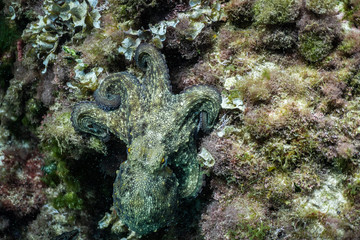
159,129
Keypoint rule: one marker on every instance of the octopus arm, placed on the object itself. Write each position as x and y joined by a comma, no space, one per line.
153,63
87,117
202,102
188,171
118,90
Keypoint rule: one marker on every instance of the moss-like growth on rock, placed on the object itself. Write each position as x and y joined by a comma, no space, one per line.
239,217
352,11
57,131
139,13
129,10
100,48
354,83
320,6
351,43
321,213
279,40
60,145
269,12
352,189
33,111
317,38
240,12
314,47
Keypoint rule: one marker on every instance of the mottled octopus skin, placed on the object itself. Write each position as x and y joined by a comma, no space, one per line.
159,129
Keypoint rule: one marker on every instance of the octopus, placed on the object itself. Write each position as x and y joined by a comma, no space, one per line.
160,130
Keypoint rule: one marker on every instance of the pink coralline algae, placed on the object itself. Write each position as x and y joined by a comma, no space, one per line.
21,189
220,217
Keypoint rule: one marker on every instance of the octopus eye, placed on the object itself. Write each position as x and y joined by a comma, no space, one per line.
163,161
129,149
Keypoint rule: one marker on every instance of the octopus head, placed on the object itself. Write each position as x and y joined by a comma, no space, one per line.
146,190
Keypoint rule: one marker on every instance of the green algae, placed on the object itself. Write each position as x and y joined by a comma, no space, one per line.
240,13
275,96
321,6
355,84
56,172
58,23
351,10
280,40
60,146
314,47
130,10
257,232
276,12
69,200
350,44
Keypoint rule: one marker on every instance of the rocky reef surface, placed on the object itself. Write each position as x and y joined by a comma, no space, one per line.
282,161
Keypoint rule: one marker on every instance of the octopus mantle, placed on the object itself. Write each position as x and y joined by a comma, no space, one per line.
159,129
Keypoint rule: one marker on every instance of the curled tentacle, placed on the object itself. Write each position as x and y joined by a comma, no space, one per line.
115,89
197,106
87,117
153,63
202,102
107,101
186,167
83,118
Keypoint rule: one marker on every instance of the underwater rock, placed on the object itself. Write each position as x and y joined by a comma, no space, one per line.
280,40
240,12
317,38
276,12
72,235
232,215
21,189
4,223
159,129
320,6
